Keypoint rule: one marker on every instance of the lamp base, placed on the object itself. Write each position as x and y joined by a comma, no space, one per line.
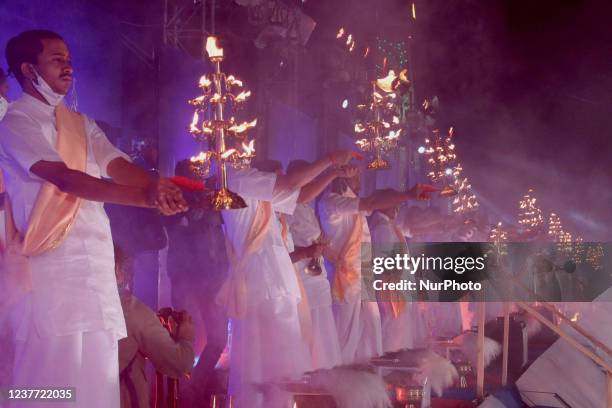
378,164
225,199
448,191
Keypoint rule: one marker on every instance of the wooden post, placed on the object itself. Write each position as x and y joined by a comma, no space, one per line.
480,361
506,339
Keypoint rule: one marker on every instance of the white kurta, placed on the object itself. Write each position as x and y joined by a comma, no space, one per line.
408,329
267,344
74,294
325,351
357,320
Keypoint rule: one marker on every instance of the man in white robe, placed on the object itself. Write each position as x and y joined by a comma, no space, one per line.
306,234
67,325
343,218
262,293
402,323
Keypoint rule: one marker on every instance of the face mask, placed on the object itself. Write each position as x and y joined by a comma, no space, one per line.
3,107
52,97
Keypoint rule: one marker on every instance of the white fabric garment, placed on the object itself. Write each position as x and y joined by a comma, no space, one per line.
357,321
408,329
87,361
74,287
304,229
3,107
267,344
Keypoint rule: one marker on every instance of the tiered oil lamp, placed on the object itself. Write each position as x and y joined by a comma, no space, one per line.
379,132
441,156
226,139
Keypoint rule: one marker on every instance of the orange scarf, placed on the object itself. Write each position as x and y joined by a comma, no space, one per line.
55,211
345,274
233,293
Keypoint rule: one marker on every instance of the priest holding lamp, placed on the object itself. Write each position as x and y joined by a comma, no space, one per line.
67,323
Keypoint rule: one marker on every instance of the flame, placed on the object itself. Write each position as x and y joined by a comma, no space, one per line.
340,33
359,128
249,149
243,126
204,82
215,98
349,39
386,83
414,11
575,317
396,120
212,48
194,122
352,47
403,75
451,131
227,153
242,96
367,51
362,143
201,157
233,81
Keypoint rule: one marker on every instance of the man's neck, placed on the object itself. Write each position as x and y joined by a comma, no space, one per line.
30,90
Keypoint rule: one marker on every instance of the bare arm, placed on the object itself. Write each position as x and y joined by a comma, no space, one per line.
308,173
128,174
169,197
90,188
384,199
311,190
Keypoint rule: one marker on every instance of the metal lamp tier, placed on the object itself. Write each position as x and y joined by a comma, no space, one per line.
226,139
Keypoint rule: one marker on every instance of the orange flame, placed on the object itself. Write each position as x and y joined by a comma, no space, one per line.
233,81
243,126
387,83
194,122
204,82
227,153
340,33
367,51
212,48
349,39
242,96
201,157
249,149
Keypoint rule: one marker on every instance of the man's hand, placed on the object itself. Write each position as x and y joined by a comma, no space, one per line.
186,328
167,197
341,157
421,191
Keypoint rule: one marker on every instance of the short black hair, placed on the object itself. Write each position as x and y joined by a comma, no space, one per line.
26,47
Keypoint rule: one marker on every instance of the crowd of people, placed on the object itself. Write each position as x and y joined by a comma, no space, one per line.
291,270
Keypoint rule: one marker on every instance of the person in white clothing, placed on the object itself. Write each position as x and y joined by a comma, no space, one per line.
262,293
308,239
343,218
67,324
402,324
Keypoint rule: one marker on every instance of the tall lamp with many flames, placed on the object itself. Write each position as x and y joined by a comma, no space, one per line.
226,139
379,132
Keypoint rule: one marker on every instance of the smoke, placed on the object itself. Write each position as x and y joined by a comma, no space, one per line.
525,88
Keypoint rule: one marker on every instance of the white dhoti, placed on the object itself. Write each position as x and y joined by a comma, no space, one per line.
359,328
85,361
267,345
407,330
325,349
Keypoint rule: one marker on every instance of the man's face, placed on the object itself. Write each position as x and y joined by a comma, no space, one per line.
54,65
354,183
